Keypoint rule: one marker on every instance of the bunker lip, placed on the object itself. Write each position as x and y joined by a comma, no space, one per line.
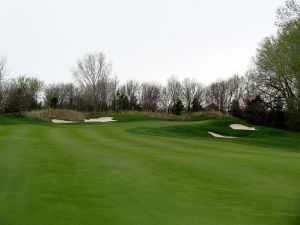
220,135
241,127
100,120
63,121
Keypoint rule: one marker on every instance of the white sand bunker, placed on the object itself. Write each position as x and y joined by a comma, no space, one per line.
241,127
62,121
219,135
100,120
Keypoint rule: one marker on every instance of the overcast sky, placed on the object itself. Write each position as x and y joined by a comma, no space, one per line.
145,40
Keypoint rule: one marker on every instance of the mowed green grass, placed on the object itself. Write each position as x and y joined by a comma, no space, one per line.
146,172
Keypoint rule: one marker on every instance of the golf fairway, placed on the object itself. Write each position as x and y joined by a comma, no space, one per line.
121,173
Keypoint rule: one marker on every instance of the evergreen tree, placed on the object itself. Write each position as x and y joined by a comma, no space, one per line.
196,106
177,107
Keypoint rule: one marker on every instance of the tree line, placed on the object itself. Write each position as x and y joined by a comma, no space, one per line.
267,94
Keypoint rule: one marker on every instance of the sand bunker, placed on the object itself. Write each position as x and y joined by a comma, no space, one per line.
97,120
100,120
219,135
62,121
241,127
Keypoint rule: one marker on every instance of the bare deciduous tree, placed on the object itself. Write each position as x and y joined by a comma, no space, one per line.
174,90
23,93
287,14
235,90
50,92
2,68
112,91
190,89
2,74
150,96
132,92
216,95
67,95
93,73
164,100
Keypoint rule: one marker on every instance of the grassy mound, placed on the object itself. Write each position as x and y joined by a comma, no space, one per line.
199,130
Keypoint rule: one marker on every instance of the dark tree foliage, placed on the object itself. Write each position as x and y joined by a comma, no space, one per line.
276,116
122,102
211,107
235,109
133,104
53,102
196,105
255,111
177,108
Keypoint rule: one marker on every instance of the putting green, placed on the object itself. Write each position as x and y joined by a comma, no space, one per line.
146,173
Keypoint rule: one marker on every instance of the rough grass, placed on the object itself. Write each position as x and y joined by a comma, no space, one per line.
61,114
122,116
130,116
101,174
